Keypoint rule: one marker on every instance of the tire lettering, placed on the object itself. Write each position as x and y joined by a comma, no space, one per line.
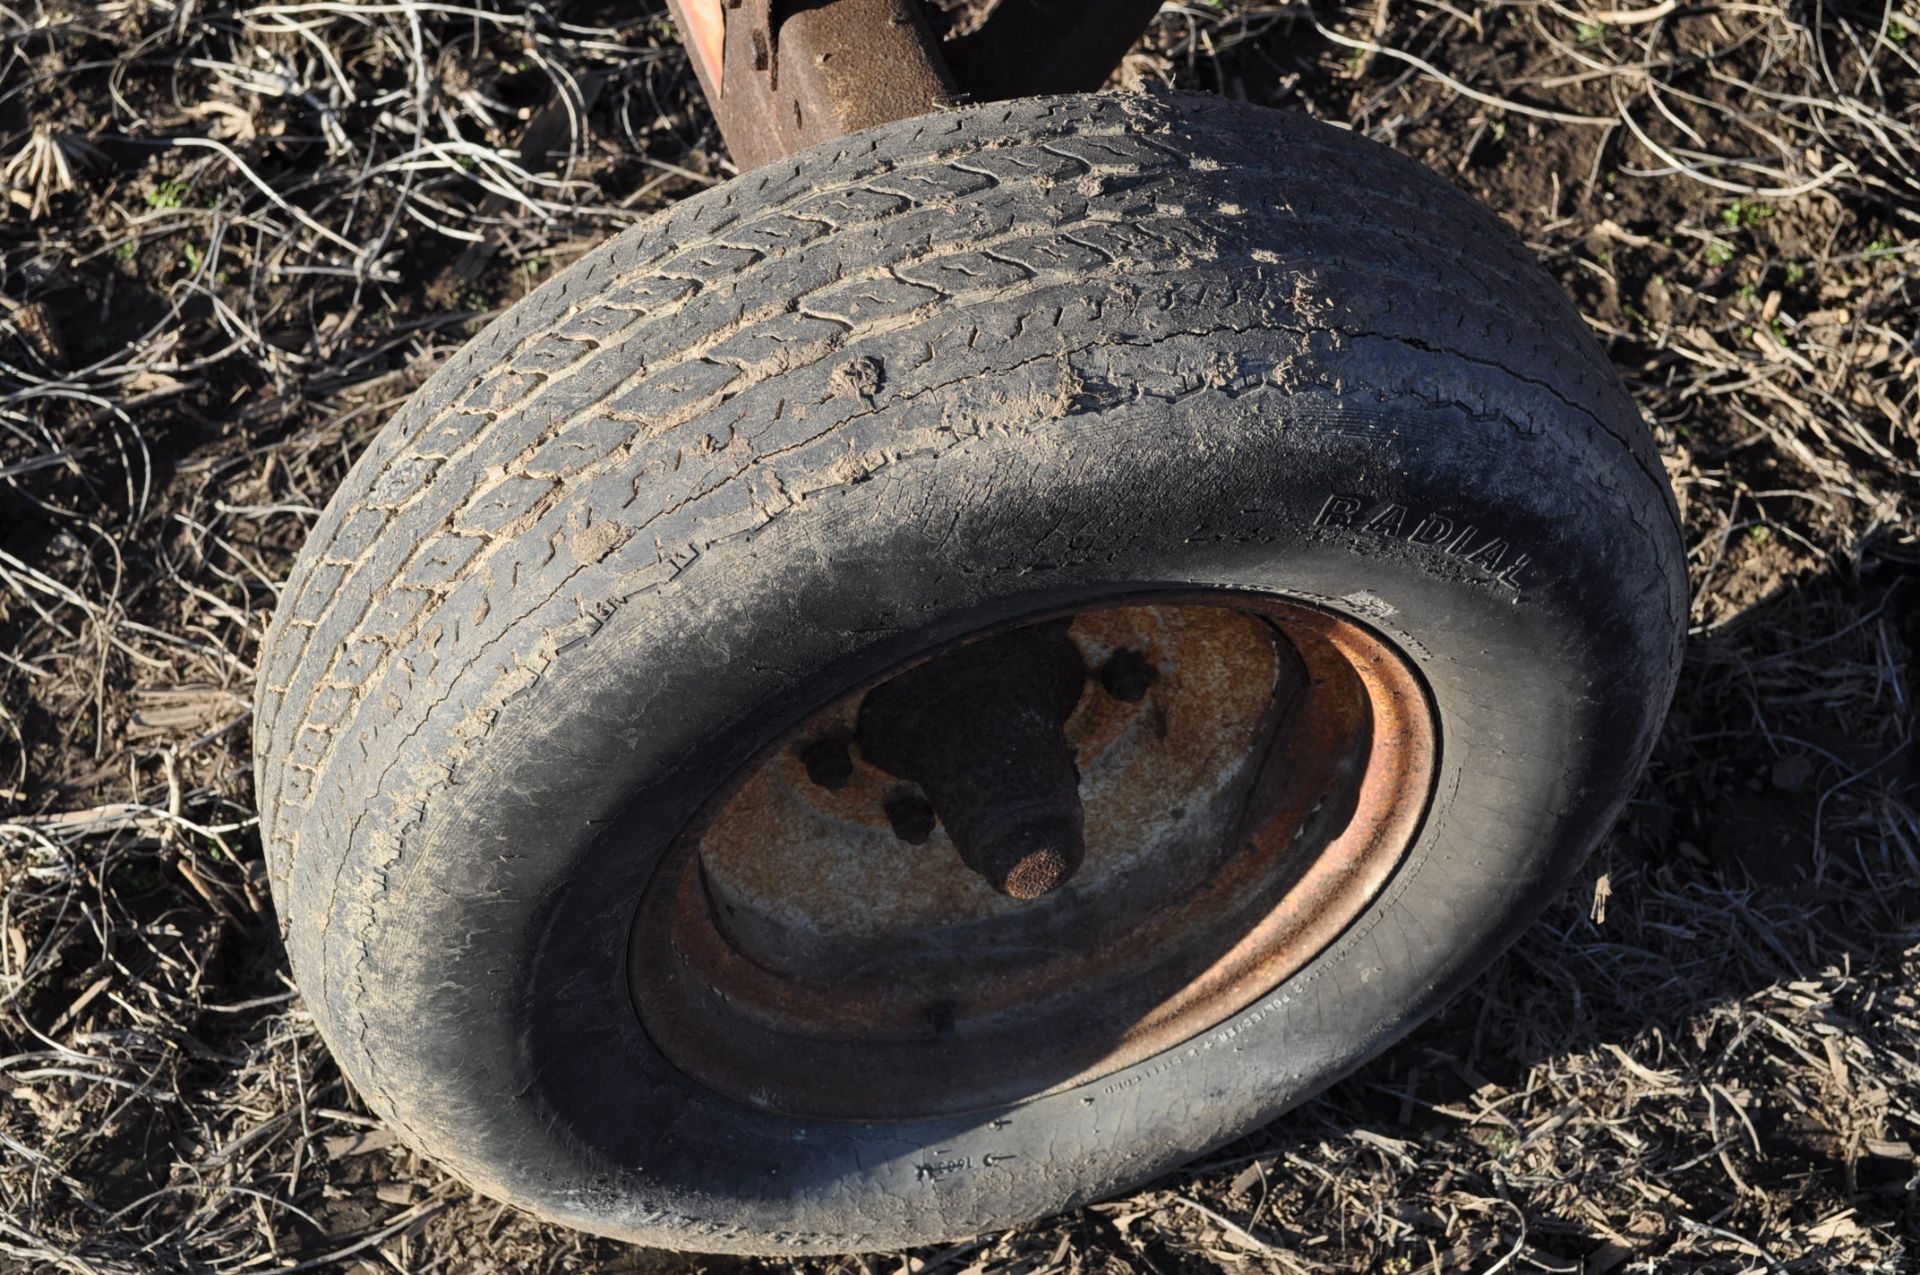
1511,575
1432,530
1387,521
946,1164
1461,541
1339,511
934,1170
1488,555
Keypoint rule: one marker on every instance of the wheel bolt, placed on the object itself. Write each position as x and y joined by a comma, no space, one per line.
912,817
828,763
1126,675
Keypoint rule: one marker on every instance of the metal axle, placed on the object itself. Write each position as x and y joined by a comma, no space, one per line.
980,730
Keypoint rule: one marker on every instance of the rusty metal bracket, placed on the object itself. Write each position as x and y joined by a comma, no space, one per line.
782,75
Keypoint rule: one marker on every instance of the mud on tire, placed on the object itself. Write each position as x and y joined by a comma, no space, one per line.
914,383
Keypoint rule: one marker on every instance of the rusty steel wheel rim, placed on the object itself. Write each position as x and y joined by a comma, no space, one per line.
1252,772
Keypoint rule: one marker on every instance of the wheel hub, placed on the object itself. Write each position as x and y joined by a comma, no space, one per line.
1248,777
981,730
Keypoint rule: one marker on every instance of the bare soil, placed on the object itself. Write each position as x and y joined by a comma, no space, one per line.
234,237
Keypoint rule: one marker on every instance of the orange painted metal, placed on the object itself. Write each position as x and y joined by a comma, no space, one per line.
782,77
1239,819
784,74
813,881
703,25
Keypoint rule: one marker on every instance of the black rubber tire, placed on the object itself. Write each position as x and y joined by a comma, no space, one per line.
947,372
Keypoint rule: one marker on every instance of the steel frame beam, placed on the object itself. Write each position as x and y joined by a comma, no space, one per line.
782,75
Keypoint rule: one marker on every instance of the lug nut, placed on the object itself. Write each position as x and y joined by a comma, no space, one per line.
828,763
912,817
1126,675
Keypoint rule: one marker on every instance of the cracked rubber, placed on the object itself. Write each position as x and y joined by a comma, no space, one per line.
892,390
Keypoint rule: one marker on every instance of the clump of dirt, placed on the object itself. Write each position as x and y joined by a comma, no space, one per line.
234,239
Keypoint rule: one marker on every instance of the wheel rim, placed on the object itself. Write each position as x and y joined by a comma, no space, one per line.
792,952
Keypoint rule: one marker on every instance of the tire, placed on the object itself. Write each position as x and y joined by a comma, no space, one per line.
910,384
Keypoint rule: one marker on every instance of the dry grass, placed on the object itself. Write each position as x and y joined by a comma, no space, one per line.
237,235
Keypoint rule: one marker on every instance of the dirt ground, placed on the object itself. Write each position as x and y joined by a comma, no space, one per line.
235,236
